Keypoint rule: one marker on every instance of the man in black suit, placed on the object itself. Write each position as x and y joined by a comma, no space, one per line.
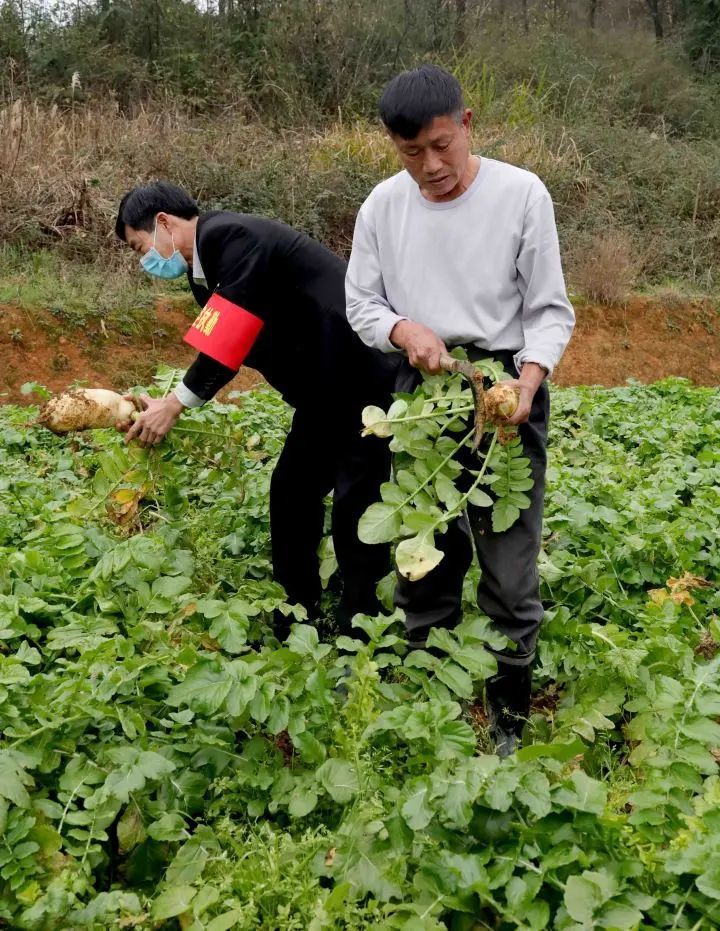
274,299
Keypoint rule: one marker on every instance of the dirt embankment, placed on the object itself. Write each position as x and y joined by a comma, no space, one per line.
646,340
34,346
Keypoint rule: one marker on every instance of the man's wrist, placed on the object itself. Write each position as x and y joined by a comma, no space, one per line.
396,334
532,375
175,404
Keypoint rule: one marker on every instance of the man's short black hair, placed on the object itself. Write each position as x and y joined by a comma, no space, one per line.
413,99
139,207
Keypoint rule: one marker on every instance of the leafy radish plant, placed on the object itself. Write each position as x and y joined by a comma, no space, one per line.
429,432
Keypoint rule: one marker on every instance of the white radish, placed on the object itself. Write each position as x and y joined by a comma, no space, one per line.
501,402
85,409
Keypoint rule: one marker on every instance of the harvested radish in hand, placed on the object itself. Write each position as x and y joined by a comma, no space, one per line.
501,402
85,409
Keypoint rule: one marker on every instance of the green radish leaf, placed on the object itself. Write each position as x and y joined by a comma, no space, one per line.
339,779
174,901
379,524
416,557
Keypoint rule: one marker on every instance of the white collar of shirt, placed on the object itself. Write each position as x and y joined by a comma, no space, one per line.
197,269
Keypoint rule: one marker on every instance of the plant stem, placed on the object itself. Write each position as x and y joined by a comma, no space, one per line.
459,507
45,727
450,412
481,473
432,475
225,436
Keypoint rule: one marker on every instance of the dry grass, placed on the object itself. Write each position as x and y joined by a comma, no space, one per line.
359,142
535,149
606,270
673,296
63,171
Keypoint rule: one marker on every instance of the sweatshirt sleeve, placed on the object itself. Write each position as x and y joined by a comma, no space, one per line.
368,310
547,316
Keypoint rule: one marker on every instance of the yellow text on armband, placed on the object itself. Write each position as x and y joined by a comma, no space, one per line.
206,320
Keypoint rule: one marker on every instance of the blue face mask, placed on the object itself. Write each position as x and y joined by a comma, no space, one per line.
155,264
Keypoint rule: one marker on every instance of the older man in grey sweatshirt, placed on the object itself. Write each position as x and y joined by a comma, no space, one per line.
459,250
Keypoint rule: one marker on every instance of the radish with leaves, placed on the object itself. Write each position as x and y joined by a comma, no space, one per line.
425,495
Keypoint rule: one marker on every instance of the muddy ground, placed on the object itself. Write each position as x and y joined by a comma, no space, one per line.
646,340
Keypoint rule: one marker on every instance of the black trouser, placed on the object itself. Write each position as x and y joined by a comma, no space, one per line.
324,452
509,586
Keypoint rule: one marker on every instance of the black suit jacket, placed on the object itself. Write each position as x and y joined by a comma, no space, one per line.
305,349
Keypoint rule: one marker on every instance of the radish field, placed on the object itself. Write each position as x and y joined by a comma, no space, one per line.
165,763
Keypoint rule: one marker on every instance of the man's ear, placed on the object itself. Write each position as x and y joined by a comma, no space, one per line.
467,119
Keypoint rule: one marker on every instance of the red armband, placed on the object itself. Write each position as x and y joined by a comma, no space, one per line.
224,331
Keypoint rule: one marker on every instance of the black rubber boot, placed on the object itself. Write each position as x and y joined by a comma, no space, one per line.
508,705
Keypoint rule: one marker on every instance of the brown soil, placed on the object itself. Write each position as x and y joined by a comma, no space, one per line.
646,340
546,701
35,346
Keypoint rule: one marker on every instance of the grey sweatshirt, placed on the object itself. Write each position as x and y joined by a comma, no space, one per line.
482,269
